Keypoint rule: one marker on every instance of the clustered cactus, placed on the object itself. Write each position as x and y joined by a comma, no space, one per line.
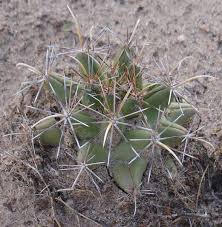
115,117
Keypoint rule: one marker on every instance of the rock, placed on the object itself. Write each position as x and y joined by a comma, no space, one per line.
181,38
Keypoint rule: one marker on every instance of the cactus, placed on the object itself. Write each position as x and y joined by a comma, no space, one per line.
114,116
127,175
108,104
92,153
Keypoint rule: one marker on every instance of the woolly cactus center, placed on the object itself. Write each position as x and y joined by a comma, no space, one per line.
113,119
83,165
45,77
66,114
155,137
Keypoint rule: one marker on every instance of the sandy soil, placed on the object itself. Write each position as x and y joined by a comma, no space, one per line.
173,29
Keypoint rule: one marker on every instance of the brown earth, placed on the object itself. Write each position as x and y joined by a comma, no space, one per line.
174,30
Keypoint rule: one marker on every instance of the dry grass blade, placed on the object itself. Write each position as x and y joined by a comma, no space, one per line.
200,185
133,33
191,79
78,31
77,213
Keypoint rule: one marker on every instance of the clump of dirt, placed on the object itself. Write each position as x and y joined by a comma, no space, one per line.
29,182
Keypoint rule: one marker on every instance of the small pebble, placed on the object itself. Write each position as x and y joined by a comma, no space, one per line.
181,38
204,28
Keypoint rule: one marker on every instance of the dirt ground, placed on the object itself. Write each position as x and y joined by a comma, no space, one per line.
174,29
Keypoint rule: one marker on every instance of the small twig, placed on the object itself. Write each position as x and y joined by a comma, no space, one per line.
77,213
200,185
